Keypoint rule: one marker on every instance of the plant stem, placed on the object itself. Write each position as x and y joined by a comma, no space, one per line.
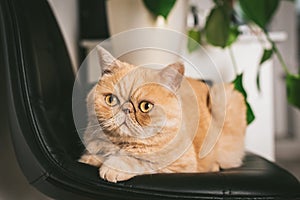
278,54
235,67
274,48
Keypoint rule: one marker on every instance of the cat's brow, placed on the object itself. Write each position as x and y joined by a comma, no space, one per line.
104,86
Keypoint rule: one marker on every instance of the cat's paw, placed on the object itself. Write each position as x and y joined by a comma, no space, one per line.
113,175
90,160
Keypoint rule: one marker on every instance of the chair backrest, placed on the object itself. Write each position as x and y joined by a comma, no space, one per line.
40,81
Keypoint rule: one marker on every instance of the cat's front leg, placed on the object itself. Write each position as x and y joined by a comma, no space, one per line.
114,175
121,168
97,151
90,159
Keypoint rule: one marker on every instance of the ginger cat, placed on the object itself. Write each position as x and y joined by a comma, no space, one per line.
144,121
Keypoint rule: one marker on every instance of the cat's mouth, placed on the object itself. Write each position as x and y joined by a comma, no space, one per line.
134,129
126,126
131,127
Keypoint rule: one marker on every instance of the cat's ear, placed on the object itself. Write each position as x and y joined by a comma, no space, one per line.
172,75
106,60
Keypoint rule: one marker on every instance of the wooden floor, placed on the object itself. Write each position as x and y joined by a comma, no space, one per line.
287,153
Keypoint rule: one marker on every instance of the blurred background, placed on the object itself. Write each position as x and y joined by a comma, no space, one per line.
275,134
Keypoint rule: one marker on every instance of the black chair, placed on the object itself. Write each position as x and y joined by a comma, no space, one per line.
40,80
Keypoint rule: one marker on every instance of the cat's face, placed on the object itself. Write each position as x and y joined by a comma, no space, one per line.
138,102
130,103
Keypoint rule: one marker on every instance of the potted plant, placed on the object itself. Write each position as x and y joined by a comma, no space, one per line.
221,30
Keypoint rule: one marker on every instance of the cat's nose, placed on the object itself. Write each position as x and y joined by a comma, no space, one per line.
127,108
126,111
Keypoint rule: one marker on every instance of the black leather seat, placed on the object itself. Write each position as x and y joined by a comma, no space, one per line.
40,81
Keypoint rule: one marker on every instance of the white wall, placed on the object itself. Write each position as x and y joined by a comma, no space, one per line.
287,118
66,13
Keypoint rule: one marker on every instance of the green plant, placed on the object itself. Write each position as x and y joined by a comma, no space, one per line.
221,31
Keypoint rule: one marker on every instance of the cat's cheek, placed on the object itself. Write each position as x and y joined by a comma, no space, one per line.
105,112
144,119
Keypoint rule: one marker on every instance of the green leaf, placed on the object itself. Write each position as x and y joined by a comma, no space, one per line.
233,35
159,7
250,114
266,56
258,79
238,85
259,11
293,89
194,39
217,27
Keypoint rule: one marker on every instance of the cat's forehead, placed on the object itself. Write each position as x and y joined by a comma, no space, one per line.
128,82
134,80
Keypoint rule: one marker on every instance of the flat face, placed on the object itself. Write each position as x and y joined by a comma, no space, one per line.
133,102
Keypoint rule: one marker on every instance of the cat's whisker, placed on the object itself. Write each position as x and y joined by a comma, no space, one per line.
90,126
109,124
96,130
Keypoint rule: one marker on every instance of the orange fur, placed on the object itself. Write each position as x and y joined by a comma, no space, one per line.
173,135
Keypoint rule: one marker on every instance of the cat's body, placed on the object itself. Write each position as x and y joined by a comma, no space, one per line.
157,121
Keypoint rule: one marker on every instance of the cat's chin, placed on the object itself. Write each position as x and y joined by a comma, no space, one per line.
125,131
121,131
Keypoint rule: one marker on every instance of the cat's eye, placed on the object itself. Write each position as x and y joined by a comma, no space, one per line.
111,100
146,106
